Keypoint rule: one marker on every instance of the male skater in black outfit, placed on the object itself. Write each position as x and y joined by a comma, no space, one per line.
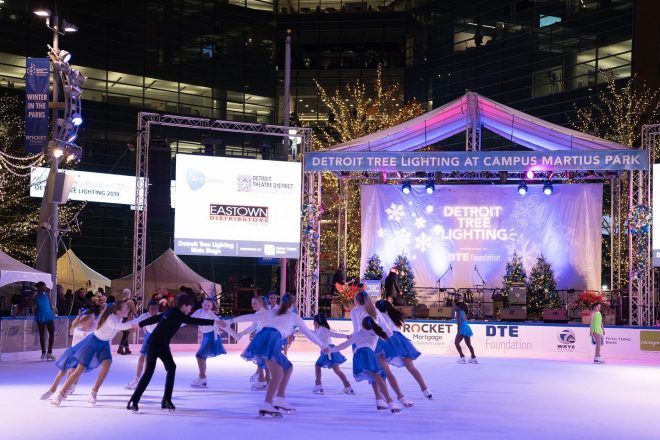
158,346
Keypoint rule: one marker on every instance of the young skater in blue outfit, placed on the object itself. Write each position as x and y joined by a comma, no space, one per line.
333,361
464,332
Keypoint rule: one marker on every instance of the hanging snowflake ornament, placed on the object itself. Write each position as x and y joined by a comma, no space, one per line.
420,223
395,212
422,242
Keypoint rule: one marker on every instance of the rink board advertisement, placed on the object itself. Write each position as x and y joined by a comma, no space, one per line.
237,207
500,339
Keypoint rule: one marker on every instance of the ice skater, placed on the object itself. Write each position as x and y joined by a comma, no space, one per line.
93,351
365,307
45,319
158,347
464,331
152,310
82,326
400,351
211,344
332,361
260,377
597,332
366,365
266,348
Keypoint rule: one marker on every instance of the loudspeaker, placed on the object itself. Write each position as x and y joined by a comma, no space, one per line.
555,315
518,296
421,311
406,310
513,314
59,193
440,312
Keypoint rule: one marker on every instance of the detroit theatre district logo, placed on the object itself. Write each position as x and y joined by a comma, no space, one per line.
566,340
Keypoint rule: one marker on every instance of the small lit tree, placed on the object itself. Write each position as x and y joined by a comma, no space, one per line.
406,279
374,270
542,288
513,274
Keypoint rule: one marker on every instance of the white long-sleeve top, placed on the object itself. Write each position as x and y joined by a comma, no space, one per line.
361,339
205,314
256,325
78,335
325,334
390,323
359,313
112,326
285,324
147,328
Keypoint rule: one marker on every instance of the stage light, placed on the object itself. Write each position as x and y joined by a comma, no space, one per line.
69,27
42,12
76,119
522,189
58,152
64,55
547,189
530,174
71,157
430,187
406,188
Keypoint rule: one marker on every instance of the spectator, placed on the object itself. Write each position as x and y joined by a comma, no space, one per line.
45,319
80,301
127,297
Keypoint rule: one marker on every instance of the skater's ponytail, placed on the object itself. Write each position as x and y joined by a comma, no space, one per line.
321,320
116,306
364,299
369,324
385,307
286,302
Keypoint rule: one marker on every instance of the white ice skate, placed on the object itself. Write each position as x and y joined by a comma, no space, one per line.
462,361
318,389
348,390
57,399
473,361
598,360
428,394
396,409
254,377
381,404
283,405
267,409
199,383
50,357
92,398
406,402
43,356
133,383
259,386
46,395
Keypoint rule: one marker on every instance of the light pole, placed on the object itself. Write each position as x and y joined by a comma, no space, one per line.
64,132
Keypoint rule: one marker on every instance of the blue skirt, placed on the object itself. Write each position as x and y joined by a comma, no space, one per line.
465,329
328,362
90,352
211,346
364,361
266,346
382,348
143,349
398,348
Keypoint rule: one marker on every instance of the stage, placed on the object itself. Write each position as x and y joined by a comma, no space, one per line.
500,398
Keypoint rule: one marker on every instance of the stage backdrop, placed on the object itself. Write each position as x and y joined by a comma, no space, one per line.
478,228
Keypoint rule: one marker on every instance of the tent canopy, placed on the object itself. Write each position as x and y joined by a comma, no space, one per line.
168,272
13,271
73,274
473,110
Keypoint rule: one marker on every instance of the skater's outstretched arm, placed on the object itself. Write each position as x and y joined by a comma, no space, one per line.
341,346
307,332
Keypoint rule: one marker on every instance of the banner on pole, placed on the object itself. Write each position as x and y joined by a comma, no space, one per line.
37,79
569,160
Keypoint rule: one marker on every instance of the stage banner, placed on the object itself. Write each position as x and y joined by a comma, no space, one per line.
461,236
37,79
494,161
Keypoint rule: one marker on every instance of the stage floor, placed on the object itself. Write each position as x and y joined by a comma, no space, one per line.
496,399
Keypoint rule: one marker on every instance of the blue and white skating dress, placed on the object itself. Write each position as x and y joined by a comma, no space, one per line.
325,360
211,345
464,329
397,347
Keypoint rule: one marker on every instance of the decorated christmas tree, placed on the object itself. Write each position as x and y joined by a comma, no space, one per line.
406,280
374,270
541,289
514,274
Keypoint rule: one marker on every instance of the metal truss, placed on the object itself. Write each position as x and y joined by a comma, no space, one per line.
473,124
145,122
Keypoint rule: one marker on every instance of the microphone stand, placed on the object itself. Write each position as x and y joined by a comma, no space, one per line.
439,282
481,299
483,282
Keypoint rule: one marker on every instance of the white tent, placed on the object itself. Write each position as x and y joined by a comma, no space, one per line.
168,272
73,274
13,271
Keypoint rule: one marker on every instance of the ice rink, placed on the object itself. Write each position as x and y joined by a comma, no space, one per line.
496,399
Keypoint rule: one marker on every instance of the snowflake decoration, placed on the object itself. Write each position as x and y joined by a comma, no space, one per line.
402,238
429,209
380,233
395,212
420,223
423,242
437,230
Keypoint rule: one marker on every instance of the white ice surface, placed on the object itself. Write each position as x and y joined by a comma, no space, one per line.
497,399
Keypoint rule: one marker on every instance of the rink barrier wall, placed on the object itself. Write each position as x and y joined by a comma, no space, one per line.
19,339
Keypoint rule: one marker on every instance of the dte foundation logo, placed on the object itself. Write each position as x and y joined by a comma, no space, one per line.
239,213
566,339
505,338
429,333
